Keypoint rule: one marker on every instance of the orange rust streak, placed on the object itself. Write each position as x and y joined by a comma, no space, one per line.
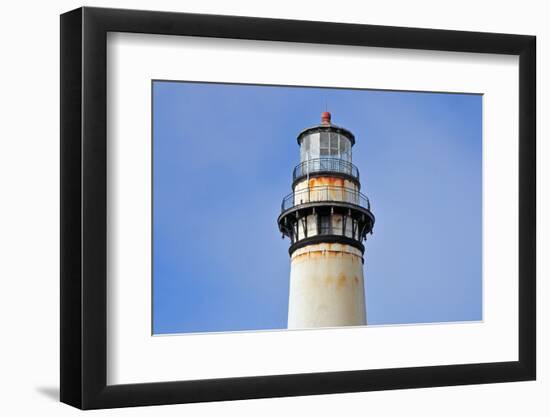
322,254
341,281
332,181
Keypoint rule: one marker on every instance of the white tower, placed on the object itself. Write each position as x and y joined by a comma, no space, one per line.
326,219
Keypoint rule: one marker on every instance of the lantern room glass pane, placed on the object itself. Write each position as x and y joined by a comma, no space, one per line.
309,148
334,139
304,148
325,144
345,148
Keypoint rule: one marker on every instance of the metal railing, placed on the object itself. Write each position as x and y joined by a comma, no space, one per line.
324,193
325,165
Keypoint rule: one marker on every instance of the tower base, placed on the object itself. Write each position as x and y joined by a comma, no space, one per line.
326,287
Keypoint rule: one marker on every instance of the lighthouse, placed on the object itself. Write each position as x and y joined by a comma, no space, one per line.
327,219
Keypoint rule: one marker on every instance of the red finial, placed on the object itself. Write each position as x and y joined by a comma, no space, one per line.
325,118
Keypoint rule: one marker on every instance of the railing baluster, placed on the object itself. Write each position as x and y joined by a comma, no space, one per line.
325,193
325,164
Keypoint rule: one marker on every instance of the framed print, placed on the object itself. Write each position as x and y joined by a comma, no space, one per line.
257,208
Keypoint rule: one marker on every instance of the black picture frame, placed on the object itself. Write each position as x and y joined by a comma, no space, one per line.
84,207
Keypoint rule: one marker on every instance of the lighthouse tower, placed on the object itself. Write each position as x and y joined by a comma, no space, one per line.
326,219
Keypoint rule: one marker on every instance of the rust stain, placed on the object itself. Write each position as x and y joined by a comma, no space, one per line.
325,253
356,280
341,280
319,255
332,181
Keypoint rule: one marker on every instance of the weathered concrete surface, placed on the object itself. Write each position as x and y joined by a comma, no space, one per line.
333,182
326,287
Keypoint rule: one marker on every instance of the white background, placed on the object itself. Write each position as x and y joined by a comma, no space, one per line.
134,356
29,213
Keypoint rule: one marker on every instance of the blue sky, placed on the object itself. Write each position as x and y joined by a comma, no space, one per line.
222,162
